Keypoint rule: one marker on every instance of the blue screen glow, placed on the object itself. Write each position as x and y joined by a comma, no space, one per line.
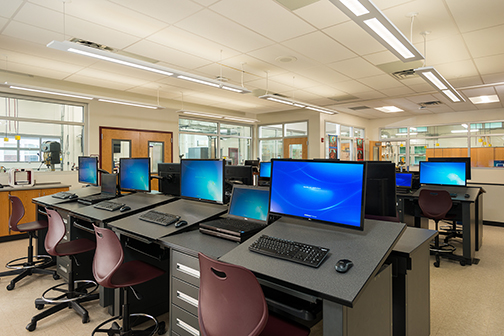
88,170
404,180
202,179
443,173
265,169
134,174
326,191
250,203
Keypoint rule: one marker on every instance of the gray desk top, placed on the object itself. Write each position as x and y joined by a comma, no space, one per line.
7,187
460,191
82,192
193,241
191,211
367,249
413,238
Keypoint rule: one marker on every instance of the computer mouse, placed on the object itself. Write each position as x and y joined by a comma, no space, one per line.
125,208
467,195
180,223
343,265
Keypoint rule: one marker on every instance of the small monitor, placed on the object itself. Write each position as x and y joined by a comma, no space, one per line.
244,174
202,180
134,174
88,170
404,180
249,203
381,189
331,192
443,173
467,161
109,184
265,169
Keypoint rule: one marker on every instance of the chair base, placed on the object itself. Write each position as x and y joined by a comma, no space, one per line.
81,290
31,268
115,329
75,305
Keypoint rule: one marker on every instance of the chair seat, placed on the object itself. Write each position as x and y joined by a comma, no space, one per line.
75,247
32,226
277,326
133,273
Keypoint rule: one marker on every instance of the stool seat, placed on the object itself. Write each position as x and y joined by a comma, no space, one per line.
133,273
75,247
32,226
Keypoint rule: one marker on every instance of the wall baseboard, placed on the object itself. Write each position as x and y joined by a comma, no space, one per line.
13,237
493,223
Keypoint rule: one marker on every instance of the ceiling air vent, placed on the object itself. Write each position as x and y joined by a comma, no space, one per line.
404,74
91,44
430,104
358,108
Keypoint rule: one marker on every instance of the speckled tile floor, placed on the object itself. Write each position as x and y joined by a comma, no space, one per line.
464,300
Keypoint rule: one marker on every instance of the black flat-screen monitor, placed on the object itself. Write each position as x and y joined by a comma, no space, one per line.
329,192
404,180
109,184
134,174
170,182
381,189
254,163
202,180
467,161
443,173
265,169
88,170
243,174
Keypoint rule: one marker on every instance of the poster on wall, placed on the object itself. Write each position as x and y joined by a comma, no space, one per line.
333,146
360,149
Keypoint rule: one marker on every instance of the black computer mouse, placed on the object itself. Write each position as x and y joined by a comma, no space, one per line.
467,195
180,223
343,265
125,208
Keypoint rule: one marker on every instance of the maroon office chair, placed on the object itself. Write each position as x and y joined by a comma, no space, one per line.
110,272
435,205
25,266
231,302
78,291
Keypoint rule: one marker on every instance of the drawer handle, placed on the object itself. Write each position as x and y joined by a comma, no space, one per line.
188,270
186,298
191,330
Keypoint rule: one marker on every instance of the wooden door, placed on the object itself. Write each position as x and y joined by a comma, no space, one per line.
139,145
295,148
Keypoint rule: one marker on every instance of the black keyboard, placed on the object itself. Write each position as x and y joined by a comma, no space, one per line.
64,195
301,253
95,199
157,217
108,205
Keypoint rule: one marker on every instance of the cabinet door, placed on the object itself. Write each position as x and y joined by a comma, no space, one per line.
4,213
45,192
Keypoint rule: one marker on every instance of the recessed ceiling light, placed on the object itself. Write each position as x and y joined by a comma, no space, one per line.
484,99
286,59
389,109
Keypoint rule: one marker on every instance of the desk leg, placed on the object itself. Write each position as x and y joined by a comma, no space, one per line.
479,222
468,228
332,318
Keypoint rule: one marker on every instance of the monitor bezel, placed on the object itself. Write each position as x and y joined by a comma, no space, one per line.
203,199
121,172
96,167
343,225
466,159
439,184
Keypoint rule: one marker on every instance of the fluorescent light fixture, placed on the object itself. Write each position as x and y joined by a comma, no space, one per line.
142,65
389,109
202,114
465,131
241,119
484,99
218,116
372,20
464,125
130,103
295,103
50,92
434,78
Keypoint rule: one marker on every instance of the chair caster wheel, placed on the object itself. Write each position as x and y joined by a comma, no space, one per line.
436,264
85,319
39,306
56,276
31,326
10,286
462,263
161,328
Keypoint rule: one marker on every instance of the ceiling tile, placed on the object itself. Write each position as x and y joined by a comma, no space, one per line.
100,75
397,91
457,69
322,14
354,38
33,70
356,68
493,78
30,33
265,17
474,15
351,87
324,75
484,42
10,7
381,82
490,64
3,23
446,49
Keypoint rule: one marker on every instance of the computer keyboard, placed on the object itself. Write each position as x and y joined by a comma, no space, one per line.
157,217
95,199
108,205
301,253
64,195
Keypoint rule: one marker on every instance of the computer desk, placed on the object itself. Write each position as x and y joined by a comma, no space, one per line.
82,192
468,210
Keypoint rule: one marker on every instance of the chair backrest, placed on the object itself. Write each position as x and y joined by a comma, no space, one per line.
435,204
55,231
17,212
231,301
108,256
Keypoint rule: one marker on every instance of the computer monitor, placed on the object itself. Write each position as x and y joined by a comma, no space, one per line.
443,173
404,180
250,202
134,174
88,170
242,174
170,184
202,180
381,189
265,169
467,161
330,192
254,163
109,184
